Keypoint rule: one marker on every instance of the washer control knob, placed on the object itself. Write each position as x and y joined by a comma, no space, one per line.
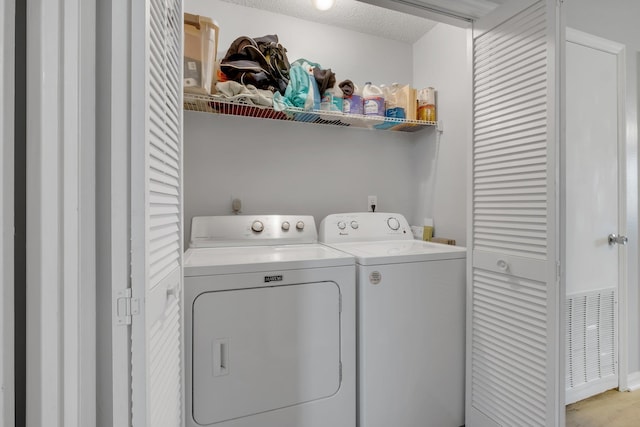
285,225
257,226
342,225
393,223
354,225
300,225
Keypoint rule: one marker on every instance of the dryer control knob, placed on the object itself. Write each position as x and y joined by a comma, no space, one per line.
257,226
285,225
300,225
342,225
354,225
393,223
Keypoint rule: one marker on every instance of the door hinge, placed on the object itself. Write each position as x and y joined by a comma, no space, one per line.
558,271
125,307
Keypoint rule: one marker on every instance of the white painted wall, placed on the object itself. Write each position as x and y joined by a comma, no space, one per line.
276,167
616,20
351,55
440,61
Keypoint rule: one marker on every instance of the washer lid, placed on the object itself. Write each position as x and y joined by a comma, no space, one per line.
399,251
248,259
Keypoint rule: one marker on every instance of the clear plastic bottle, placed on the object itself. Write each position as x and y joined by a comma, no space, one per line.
393,109
427,105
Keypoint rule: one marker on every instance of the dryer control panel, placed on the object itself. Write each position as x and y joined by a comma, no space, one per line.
364,226
252,230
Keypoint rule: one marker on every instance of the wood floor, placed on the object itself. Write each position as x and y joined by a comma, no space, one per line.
609,409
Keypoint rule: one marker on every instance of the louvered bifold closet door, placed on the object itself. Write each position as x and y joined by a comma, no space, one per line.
512,338
156,174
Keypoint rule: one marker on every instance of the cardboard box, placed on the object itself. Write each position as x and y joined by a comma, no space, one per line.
406,99
412,108
200,52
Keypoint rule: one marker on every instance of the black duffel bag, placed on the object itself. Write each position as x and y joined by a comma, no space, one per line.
260,61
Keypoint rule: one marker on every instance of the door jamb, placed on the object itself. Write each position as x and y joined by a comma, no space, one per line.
7,304
60,298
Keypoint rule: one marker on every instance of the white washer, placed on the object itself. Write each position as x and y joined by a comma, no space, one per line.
270,325
411,321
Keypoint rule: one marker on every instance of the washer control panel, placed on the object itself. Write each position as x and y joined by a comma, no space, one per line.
364,226
252,230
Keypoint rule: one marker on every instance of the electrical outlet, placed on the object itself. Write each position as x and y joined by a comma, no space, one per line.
372,203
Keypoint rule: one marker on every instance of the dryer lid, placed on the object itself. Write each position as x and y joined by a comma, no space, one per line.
248,259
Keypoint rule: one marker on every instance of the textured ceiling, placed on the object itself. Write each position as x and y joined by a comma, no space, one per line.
352,15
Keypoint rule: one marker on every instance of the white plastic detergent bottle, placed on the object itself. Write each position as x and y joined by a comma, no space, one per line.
373,97
353,104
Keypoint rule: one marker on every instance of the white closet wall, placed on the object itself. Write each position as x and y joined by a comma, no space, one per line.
296,168
440,60
276,167
347,53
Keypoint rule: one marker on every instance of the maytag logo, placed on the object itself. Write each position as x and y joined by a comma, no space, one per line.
268,279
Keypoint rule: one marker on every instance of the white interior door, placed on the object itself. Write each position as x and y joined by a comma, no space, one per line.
156,218
513,313
594,212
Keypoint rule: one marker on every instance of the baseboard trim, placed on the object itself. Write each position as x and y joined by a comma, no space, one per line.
633,381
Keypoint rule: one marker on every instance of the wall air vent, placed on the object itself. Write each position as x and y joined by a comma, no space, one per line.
591,343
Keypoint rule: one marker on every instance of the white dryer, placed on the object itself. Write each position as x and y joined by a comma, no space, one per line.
269,325
411,321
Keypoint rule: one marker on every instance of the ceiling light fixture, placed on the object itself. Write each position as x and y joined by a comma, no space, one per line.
323,4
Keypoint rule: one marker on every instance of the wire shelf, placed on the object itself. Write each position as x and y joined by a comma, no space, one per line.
214,105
